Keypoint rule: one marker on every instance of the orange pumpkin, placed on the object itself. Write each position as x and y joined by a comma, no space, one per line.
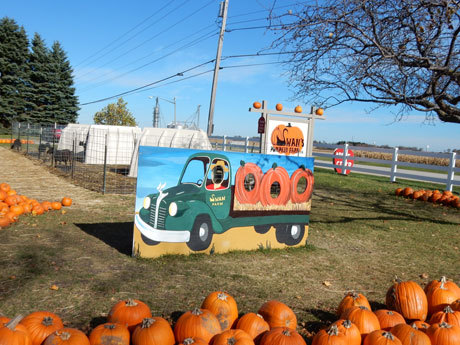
282,336
253,324
17,209
363,318
410,335
4,320
67,336
4,222
319,111
153,331
440,293
380,337
3,195
275,187
11,200
349,330
279,107
352,299
12,217
56,205
298,109
14,333
130,313
408,299
5,187
278,314
223,306
421,325
256,105
302,192
41,324
233,337
455,305
193,341
388,318
247,183
199,323
38,210
407,192
66,201
12,192
443,333
452,317
109,333
46,205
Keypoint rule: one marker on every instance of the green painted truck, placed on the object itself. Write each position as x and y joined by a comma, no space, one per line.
201,205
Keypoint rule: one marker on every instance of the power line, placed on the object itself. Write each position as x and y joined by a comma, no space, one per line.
255,27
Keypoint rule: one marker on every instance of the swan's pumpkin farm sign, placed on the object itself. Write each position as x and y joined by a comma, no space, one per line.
210,201
286,138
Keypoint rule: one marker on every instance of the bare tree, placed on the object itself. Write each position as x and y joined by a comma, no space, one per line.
386,52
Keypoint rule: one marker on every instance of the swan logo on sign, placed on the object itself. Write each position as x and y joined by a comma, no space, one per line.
287,140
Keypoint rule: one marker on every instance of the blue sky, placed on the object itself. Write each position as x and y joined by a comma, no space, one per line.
115,47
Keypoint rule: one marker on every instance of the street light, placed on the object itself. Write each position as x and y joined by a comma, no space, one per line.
168,100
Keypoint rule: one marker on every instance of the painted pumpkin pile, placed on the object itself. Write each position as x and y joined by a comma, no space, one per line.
217,322
12,205
445,198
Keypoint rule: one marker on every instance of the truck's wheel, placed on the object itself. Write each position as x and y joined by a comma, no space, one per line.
149,241
262,229
201,234
290,234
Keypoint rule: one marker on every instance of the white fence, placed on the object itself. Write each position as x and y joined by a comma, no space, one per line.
445,176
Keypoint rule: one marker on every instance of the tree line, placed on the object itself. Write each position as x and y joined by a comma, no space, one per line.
36,82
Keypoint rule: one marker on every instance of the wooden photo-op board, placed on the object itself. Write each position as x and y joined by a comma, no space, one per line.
190,201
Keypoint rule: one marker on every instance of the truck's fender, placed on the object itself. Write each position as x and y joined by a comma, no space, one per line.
197,207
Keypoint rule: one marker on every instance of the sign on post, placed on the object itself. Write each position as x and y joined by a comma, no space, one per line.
339,161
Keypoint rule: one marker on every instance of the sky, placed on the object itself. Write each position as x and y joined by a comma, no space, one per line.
115,47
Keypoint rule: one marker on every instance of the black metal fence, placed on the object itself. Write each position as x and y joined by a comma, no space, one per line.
89,161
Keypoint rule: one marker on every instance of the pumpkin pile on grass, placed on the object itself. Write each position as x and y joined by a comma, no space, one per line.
216,322
445,198
13,205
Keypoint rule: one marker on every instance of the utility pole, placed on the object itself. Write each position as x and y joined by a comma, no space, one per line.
223,14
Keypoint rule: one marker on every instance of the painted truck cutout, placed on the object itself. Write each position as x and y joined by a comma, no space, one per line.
217,192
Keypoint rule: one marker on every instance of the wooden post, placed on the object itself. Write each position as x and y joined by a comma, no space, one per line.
450,174
394,165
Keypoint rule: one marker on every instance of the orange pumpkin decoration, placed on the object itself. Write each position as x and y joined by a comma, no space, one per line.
256,105
199,323
278,314
109,333
444,334
66,201
275,178
302,192
279,107
193,341
363,318
247,183
233,337
14,333
388,318
298,109
253,324
287,139
349,330
223,306
408,299
67,336
352,299
5,187
153,331
440,293
4,222
130,313
56,205
380,337
41,324
452,317
410,335
421,325
282,336
319,111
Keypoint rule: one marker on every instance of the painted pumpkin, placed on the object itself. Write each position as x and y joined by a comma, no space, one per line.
247,183
130,313
275,187
109,333
199,323
253,324
278,314
410,335
287,139
233,337
352,299
282,336
408,299
388,318
153,331
67,336
41,324
302,182
223,306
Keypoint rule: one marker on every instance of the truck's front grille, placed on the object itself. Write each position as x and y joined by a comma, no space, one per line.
161,216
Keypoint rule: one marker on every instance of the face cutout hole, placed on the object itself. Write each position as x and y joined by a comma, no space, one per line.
249,182
302,185
275,190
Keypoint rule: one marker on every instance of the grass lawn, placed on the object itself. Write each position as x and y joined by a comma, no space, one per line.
361,237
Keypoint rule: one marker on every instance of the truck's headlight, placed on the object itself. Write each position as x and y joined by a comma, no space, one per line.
172,209
146,203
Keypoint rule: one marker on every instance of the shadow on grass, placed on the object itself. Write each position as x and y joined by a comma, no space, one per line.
116,235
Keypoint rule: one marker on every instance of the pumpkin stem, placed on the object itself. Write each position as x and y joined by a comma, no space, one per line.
131,302
188,341
302,167
389,312
346,324
448,310
445,325
289,125
333,330
397,280
47,321
147,322
414,326
64,335
109,326
287,332
260,316
274,166
388,335
443,281
14,322
242,163
197,311
363,307
222,296
231,341
353,294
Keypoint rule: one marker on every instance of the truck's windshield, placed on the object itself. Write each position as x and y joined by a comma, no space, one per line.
195,171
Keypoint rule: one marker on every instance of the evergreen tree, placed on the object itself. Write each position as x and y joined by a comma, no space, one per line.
14,79
65,103
42,79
